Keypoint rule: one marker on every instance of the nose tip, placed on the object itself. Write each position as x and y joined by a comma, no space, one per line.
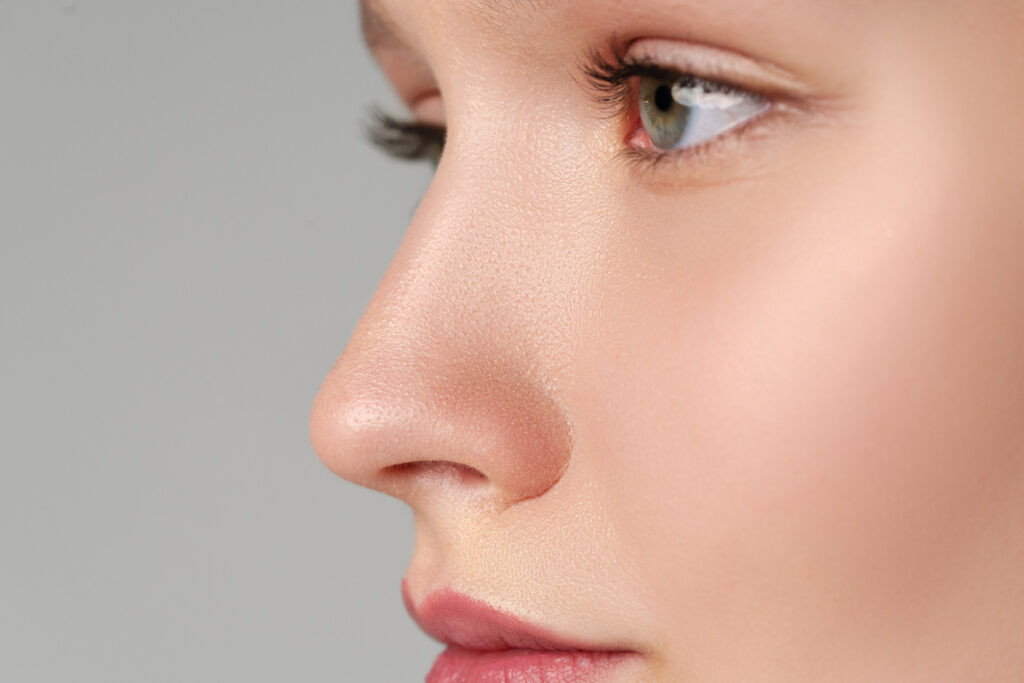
454,378
413,420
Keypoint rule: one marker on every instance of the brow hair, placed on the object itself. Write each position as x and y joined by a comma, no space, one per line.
498,14
378,26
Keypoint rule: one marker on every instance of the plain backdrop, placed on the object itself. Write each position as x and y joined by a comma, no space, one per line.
191,225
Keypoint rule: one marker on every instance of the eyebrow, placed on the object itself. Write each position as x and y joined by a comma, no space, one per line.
381,30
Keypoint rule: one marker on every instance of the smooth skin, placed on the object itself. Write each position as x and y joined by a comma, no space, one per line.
755,413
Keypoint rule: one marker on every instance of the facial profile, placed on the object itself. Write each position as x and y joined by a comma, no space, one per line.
701,359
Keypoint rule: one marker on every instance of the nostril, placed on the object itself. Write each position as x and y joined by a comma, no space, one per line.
437,470
457,423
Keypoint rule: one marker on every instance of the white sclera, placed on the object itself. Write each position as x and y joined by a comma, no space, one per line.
713,113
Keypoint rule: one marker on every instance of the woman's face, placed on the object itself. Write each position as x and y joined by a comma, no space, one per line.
748,402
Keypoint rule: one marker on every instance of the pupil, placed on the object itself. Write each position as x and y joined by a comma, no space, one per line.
663,98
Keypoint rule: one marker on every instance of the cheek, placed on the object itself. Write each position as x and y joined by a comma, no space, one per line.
794,425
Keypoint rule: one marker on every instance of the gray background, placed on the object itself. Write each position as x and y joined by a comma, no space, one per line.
191,225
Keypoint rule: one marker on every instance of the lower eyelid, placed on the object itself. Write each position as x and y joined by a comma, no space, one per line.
739,153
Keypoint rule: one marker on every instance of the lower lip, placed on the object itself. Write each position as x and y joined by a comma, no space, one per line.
500,666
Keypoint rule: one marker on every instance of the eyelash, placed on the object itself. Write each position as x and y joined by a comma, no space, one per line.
406,140
611,80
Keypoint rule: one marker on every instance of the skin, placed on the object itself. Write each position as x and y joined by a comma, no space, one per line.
757,414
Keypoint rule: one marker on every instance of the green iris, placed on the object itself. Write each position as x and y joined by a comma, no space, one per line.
664,119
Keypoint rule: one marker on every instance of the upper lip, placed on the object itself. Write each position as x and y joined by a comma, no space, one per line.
464,622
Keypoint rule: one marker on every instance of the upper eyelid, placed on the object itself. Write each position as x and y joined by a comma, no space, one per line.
714,63
703,63
609,79
744,73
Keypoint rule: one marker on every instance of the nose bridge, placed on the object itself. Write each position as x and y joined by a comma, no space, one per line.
455,367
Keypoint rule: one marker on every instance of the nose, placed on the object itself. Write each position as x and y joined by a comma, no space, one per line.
446,384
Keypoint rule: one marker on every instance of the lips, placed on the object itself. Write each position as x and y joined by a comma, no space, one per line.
487,645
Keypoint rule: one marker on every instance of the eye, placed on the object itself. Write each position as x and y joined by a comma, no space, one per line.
407,140
685,111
